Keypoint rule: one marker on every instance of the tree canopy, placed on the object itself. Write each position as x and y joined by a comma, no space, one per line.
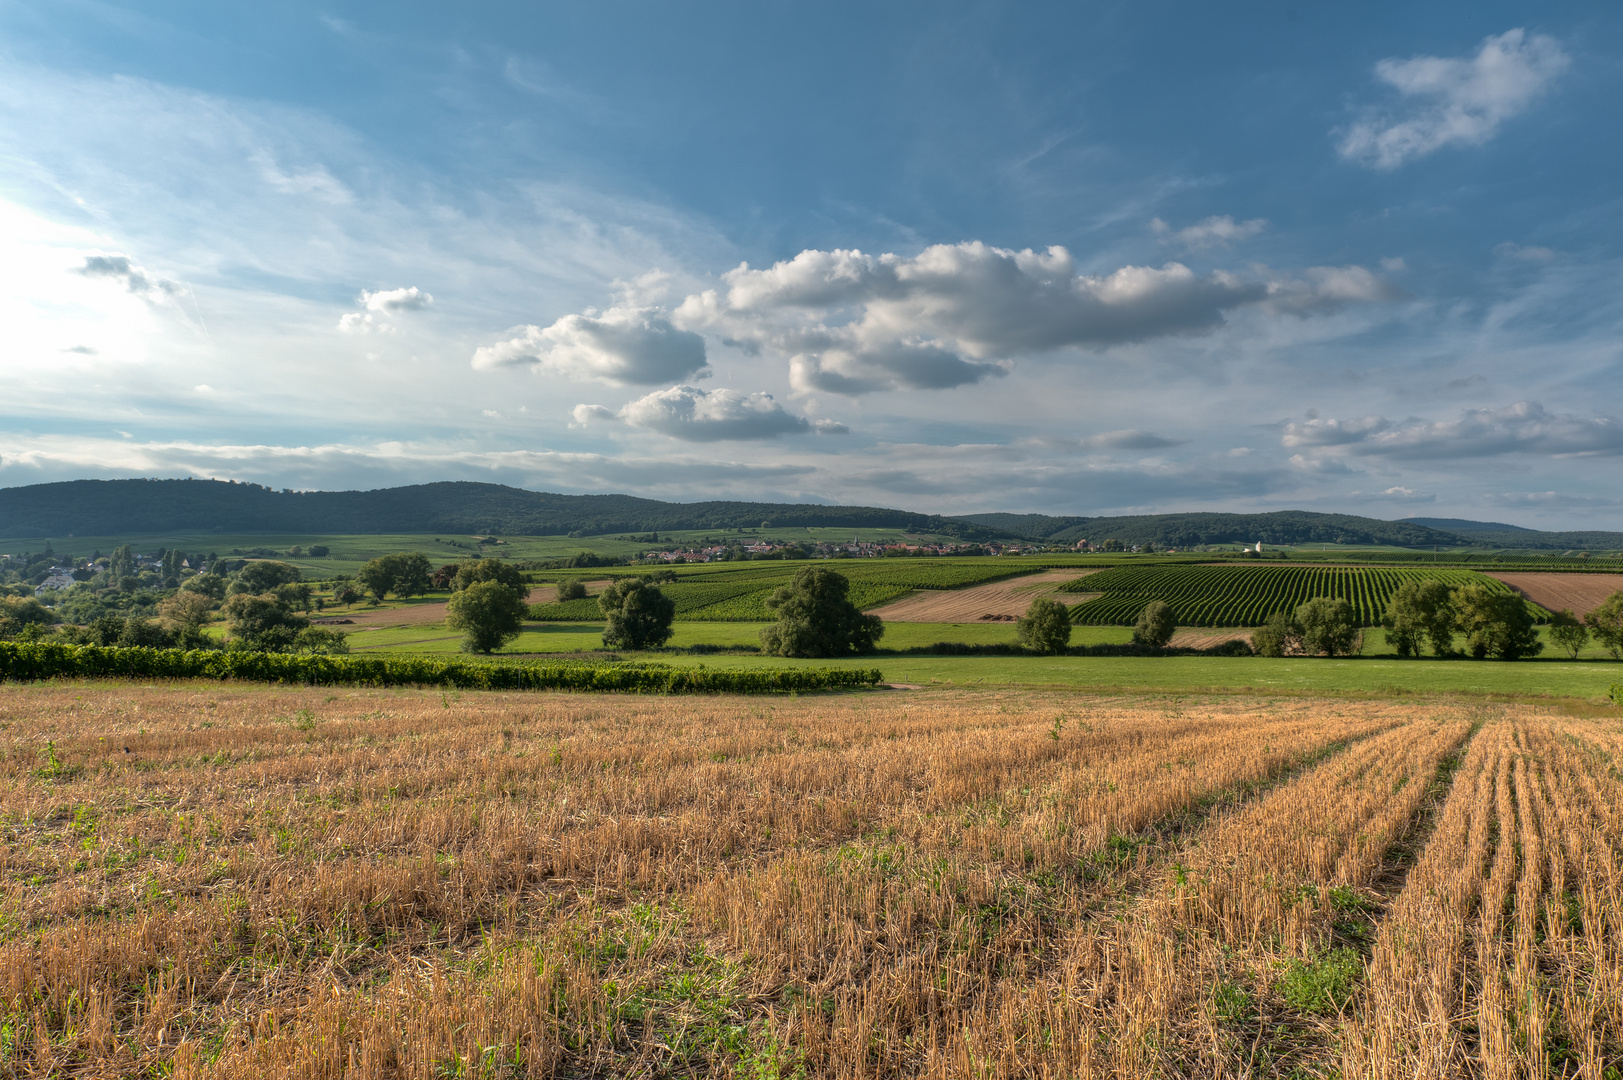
1045,627
636,615
488,613
816,620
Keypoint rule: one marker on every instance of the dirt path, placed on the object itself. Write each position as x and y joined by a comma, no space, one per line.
1582,593
996,601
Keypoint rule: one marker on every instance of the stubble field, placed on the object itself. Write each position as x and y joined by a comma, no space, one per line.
250,882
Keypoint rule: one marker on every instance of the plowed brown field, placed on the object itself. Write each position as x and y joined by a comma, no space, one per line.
1002,600
1582,593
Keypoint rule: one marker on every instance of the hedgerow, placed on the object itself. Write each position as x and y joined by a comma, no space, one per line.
31,662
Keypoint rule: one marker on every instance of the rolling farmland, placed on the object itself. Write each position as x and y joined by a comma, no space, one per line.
240,882
1247,595
723,593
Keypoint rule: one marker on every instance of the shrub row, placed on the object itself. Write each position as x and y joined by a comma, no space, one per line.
1233,647
34,661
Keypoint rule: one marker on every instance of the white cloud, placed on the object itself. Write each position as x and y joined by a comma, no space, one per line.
362,322
1215,232
1523,428
386,300
955,314
623,346
695,415
585,414
1455,100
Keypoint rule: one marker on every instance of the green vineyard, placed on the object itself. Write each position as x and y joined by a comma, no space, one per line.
738,592
1248,595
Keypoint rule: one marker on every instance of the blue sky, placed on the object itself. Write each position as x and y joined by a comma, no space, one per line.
1103,258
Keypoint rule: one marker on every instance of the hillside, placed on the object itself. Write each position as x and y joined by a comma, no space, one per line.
1185,530
122,507
1464,525
107,507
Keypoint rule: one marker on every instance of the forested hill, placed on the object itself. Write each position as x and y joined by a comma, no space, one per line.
1288,527
123,507
1186,530
115,507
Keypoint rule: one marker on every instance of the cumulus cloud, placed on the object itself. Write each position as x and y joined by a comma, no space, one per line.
362,322
135,279
1215,232
623,346
696,415
1525,427
410,298
1455,100
1320,432
956,314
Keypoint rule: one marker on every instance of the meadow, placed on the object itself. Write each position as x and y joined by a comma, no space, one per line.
238,881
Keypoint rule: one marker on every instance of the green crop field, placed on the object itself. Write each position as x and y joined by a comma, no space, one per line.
1248,595
737,592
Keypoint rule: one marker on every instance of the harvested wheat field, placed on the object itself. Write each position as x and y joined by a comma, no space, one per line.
1002,601
1580,593
1199,638
215,881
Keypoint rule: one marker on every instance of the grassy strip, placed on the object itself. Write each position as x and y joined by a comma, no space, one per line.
36,661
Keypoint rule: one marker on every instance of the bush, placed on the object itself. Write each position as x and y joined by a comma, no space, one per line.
489,614
1156,625
320,641
33,662
1279,636
816,620
1045,627
262,623
636,615
571,590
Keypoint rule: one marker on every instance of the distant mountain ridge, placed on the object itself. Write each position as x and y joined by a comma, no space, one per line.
113,507
109,507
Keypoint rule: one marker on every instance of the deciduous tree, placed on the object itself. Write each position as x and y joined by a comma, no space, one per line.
1156,625
1045,627
636,614
816,619
488,613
